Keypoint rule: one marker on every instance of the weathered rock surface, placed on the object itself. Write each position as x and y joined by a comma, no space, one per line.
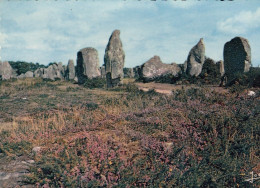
196,59
114,60
87,64
128,72
70,72
237,57
154,68
6,71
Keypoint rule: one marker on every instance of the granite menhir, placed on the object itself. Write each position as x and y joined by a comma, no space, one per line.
114,60
237,57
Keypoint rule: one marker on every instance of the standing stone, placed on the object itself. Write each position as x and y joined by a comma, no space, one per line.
128,72
137,71
70,72
103,71
6,71
237,57
87,64
154,68
114,60
220,65
196,59
61,70
185,66
38,72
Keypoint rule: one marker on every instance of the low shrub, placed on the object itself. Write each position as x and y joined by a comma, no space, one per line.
95,83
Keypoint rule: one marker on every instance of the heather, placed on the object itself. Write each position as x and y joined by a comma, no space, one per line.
124,137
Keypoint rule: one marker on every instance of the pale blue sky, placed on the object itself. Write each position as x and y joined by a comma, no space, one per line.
46,31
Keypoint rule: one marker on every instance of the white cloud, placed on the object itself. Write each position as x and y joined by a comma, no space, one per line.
182,4
240,23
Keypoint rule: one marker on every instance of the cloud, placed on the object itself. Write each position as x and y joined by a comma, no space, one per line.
240,23
182,4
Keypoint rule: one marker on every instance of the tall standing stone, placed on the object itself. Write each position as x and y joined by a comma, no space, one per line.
114,60
237,57
70,72
196,59
87,64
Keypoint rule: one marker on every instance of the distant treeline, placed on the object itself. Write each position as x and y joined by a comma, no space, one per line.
22,67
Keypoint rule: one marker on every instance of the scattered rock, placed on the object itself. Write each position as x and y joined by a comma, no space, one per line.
196,59
36,149
114,60
87,64
237,57
251,93
154,68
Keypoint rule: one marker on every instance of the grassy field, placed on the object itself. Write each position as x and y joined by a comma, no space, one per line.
124,137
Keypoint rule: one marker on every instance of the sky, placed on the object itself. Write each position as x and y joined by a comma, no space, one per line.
47,31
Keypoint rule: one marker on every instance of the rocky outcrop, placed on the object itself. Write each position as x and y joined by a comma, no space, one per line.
237,57
114,60
196,59
70,72
6,71
154,68
128,73
87,64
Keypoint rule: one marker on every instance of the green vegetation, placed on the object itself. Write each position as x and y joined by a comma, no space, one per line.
22,67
